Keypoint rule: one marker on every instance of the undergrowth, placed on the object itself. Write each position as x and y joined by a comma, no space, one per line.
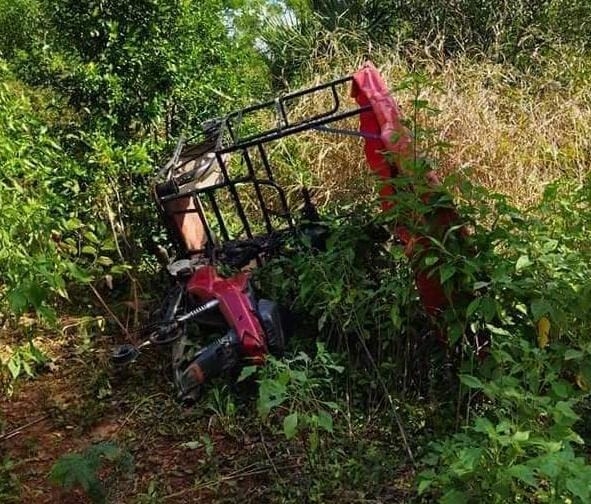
511,130
516,327
375,399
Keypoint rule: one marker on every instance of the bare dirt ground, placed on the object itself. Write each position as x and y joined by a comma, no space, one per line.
215,451
180,454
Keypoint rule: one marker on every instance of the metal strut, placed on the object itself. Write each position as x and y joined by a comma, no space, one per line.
346,132
198,311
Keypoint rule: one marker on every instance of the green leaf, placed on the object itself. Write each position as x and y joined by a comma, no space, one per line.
91,237
14,366
455,332
272,393
467,461
572,354
561,389
87,249
563,411
523,473
550,246
540,308
521,436
484,425
579,487
119,269
480,285
472,307
395,316
471,381
17,300
522,263
431,260
454,497
290,425
325,421
426,480
446,272
104,261
246,372
488,307
78,273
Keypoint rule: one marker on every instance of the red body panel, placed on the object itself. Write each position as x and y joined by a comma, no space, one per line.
235,305
386,133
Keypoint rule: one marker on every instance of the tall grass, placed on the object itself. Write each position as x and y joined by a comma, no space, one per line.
511,130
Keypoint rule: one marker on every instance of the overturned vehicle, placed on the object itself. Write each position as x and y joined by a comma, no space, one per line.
227,170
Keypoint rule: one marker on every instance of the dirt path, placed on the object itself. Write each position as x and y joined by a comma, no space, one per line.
180,455
216,451
79,403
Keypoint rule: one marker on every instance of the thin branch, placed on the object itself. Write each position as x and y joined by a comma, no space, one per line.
113,316
133,411
393,407
111,217
238,474
267,451
18,430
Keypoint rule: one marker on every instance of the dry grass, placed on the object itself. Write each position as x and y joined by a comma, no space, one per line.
511,131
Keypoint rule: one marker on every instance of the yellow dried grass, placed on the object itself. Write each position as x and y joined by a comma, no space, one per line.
511,132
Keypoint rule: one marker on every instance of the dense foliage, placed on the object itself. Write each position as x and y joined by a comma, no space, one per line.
91,95
486,403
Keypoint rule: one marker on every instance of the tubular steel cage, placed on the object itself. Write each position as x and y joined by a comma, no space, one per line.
199,174
200,179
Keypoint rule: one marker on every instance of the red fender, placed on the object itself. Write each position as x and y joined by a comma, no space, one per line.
384,132
235,305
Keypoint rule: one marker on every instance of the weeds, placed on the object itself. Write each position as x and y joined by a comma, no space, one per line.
22,361
296,387
493,393
512,131
9,483
82,469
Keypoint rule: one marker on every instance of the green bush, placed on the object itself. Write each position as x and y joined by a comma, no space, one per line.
518,433
91,97
141,67
82,469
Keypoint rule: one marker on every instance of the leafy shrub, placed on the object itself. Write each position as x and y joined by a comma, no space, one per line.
516,323
62,219
521,401
124,77
18,21
35,186
140,67
22,361
298,387
81,469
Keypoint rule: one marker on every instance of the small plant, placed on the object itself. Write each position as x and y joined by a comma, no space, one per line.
9,484
295,388
151,495
221,404
82,469
22,361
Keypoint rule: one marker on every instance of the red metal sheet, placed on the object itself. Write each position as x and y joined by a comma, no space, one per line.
386,133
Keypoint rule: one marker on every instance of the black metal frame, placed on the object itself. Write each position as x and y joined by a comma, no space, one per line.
224,139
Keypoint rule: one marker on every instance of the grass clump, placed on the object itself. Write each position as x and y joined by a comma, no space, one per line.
512,131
